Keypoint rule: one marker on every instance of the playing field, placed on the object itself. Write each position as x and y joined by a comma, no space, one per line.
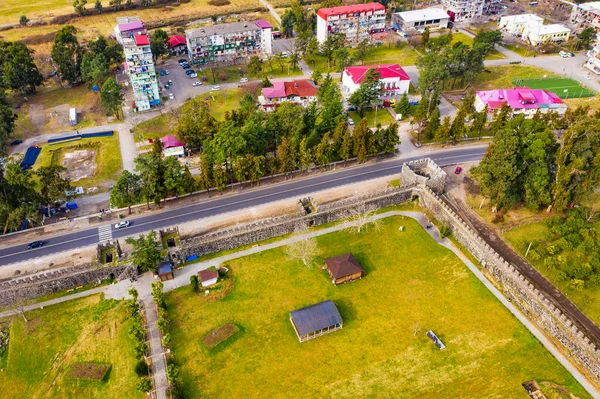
412,285
563,87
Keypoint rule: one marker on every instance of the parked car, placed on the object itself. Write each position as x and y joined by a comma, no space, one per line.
35,244
413,103
457,170
351,108
182,60
122,225
350,122
244,80
189,72
15,142
563,54
588,77
171,96
197,84
185,66
170,82
284,54
166,71
571,54
215,88
193,75
167,86
162,73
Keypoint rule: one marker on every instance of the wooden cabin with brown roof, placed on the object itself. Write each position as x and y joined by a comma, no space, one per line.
344,268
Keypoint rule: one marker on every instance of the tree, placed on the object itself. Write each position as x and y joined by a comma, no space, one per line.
538,158
304,156
158,43
312,49
53,187
457,129
126,191
79,6
189,184
220,177
67,54
287,155
586,36
442,135
151,170
98,5
343,141
367,95
194,282
361,140
255,65
360,216
425,36
173,175
330,45
322,152
342,58
23,20
403,105
293,60
111,97
206,167
434,124
332,106
287,23
146,254
390,139
266,82
93,68
195,123
17,69
479,122
144,384
303,249
500,119
157,148
363,49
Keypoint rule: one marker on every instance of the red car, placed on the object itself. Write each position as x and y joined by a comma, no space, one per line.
457,170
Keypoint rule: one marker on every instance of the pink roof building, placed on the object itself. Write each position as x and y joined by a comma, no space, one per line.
131,26
394,81
176,40
277,91
300,91
170,142
263,24
522,100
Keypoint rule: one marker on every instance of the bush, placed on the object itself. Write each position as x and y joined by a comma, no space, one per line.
445,231
144,384
194,283
141,368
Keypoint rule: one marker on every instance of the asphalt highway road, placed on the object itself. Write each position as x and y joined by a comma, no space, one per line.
245,199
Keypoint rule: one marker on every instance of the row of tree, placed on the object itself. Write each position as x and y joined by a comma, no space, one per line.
525,163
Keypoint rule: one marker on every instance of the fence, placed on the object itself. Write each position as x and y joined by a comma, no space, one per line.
75,137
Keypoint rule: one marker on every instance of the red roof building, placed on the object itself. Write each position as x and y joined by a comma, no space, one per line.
175,41
344,268
393,79
141,40
300,91
170,142
208,277
352,9
356,22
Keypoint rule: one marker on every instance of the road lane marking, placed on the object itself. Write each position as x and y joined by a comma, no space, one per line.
105,233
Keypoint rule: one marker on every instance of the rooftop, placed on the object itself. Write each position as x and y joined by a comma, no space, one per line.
176,41
424,14
517,19
593,6
142,40
171,141
343,265
519,98
316,317
221,29
549,29
386,71
263,24
208,274
164,267
301,88
333,11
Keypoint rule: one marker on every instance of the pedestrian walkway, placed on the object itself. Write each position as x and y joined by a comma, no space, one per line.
156,350
105,232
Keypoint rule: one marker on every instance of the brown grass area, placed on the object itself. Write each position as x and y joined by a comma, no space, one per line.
219,335
89,371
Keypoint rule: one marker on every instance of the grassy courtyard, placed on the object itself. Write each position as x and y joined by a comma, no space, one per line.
496,77
44,352
412,285
382,54
108,159
383,117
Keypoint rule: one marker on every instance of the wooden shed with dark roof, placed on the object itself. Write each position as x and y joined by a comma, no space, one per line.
344,268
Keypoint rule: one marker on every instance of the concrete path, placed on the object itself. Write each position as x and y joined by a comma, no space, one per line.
157,357
119,291
271,10
127,145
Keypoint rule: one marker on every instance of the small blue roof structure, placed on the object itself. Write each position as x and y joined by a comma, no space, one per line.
95,89
165,267
315,318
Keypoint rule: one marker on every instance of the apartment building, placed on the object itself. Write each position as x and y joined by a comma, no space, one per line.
515,24
357,22
229,43
538,34
432,18
586,15
464,10
593,62
139,65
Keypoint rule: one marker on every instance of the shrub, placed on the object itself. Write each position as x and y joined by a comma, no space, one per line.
445,231
533,255
144,384
194,283
141,368
577,284
172,374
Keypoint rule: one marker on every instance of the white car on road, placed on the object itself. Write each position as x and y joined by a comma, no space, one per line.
197,84
122,225
171,96
244,80
564,54
215,88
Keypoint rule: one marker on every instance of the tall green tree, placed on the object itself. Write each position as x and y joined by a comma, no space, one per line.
17,69
425,36
479,122
206,167
403,105
442,135
361,140
433,124
127,191
586,37
79,6
173,176
195,123
367,95
67,54
255,66
330,45
93,68
53,186
146,253
111,97
332,106
363,49
538,158
158,43
342,58
286,152
151,171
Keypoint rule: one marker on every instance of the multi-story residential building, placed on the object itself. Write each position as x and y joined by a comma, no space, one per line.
516,24
432,18
538,34
229,43
357,22
139,65
394,81
462,10
522,100
586,15
593,63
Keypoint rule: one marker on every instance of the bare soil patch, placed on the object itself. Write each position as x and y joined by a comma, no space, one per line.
89,371
80,164
219,335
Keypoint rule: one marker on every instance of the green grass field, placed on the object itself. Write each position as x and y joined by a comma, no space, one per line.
563,87
496,77
108,159
412,284
382,54
42,352
383,117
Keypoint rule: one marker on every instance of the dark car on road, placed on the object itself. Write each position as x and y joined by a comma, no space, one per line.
35,244
15,142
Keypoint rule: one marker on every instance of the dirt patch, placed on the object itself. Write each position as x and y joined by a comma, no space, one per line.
80,164
219,335
89,371
37,115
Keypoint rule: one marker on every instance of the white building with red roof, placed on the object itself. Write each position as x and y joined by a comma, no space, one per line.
177,45
394,80
301,92
357,22
172,147
522,100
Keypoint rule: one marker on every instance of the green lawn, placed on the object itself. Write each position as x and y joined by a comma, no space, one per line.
42,351
224,100
497,77
108,159
383,117
382,54
520,49
411,284
156,127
